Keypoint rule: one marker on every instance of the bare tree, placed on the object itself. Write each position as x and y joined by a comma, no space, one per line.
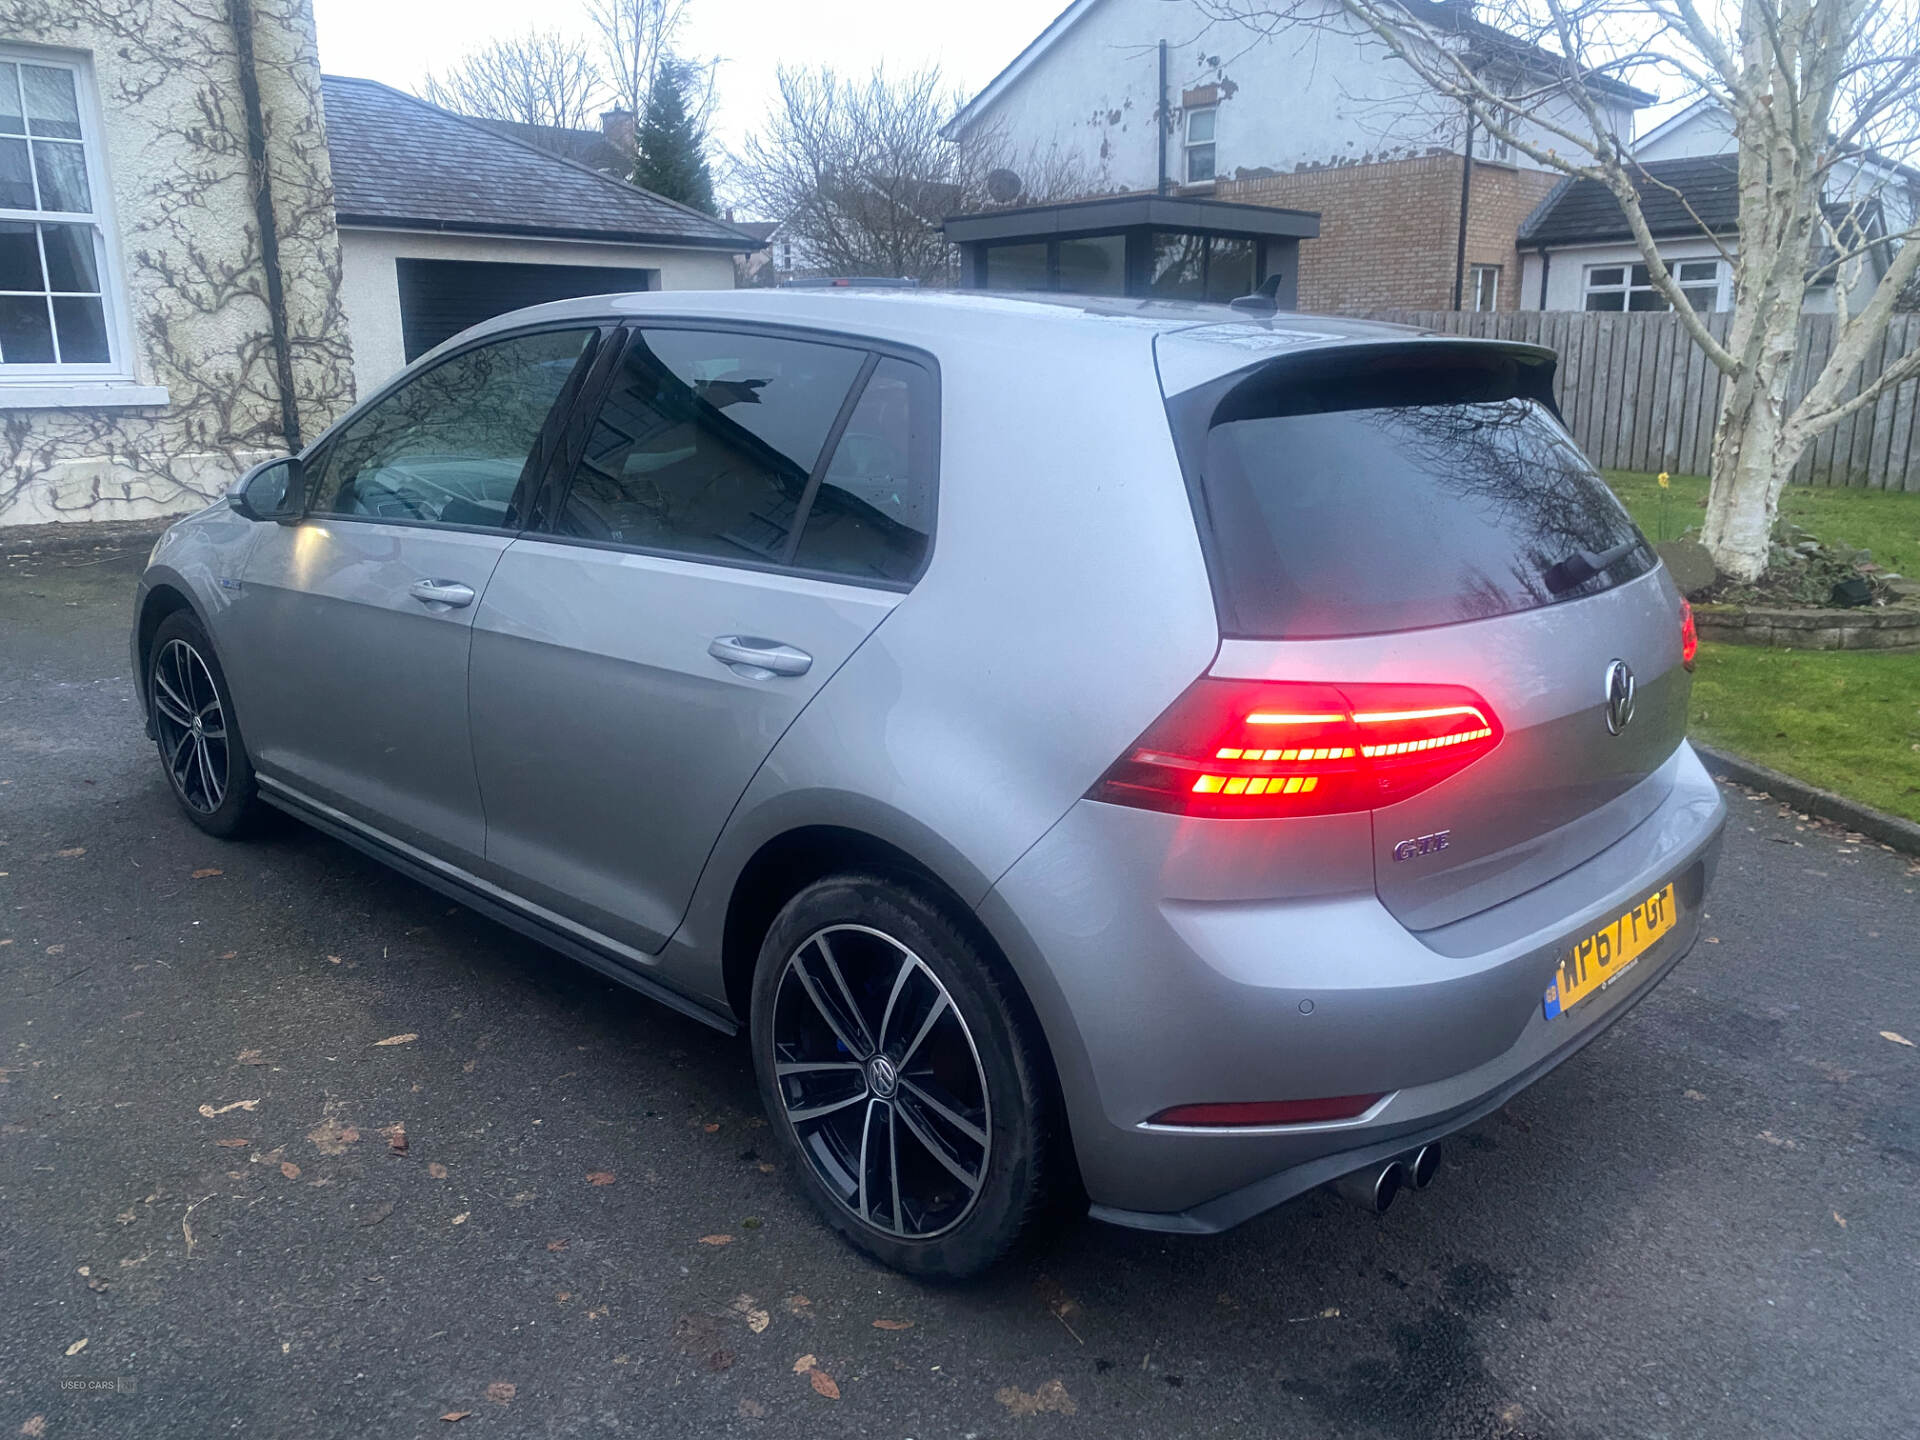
860,178
636,38
1815,93
540,78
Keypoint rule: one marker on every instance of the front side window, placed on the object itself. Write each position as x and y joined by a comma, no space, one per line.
1200,125
448,447
705,442
1630,287
55,300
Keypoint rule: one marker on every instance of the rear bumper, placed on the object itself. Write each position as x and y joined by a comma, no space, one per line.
1150,1002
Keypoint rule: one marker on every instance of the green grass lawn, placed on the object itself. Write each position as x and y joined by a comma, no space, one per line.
1847,721
1885,522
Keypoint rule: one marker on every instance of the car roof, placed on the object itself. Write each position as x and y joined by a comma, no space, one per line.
933,319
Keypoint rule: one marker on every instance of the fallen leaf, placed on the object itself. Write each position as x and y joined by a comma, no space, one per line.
716,1239
234,1144
406,1039
208,873
1693,1095
766,1167
1777,1142
248,1105
461,1218
893,1324
756,1318
556,1245
720,1360
36,1425
1838,1220
1051,1396
501,1392
804,1364
752,1409
76,1347
377,1213
333,959
1896,1039
289,1169
453,1415
798,1304
396,1138
330,1137
437,1170
246,1057
75,853
823,1384
599,1177
710,1129
598,1312
230,955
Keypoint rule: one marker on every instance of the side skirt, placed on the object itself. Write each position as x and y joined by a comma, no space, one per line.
498,906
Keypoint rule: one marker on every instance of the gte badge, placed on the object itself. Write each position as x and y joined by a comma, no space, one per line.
1422,845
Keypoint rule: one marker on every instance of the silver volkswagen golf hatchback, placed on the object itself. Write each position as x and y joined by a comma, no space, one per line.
1155,755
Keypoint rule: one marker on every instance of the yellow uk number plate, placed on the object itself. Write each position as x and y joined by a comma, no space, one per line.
1597,960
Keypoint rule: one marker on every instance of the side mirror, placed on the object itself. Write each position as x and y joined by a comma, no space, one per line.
271,490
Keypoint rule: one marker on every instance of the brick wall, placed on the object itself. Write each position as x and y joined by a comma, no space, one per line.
1388,231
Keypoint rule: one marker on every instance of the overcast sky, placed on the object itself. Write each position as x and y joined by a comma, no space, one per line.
398,41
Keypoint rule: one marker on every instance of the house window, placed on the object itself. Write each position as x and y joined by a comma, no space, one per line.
1483,289
1630,287
56,296
1199,144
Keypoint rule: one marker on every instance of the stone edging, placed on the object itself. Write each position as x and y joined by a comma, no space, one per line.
1890,830
1895,627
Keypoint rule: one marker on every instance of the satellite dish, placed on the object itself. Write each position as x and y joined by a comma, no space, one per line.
1004,186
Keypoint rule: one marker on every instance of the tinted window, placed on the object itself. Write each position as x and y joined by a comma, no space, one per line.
873,512
449,445
1367,502
705,442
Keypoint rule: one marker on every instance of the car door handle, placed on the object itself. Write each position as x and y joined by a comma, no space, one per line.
757,659
450,593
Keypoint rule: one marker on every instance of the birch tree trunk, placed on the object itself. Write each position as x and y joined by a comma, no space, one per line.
1754,452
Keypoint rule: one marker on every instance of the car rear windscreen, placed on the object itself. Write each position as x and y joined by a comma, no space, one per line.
1390,493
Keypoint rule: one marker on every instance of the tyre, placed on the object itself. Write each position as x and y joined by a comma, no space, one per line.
197,733
900,1080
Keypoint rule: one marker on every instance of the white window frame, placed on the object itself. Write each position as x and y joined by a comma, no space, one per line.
1188,145
107,382
1627,287
1475,273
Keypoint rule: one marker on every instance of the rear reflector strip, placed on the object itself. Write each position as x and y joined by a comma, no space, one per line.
1269,1112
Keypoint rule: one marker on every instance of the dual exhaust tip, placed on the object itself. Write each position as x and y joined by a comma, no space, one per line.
1373,1187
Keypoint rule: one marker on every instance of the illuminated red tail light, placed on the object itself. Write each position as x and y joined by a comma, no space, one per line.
1689,637
1261,748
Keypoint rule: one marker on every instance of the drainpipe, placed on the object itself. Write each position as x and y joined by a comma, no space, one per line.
1546,263
1163,120
240,17
1466,198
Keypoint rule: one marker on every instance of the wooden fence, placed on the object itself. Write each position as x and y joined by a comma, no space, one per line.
1638,394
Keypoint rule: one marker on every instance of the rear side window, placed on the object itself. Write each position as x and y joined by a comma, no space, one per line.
1373,496
873,513
705,443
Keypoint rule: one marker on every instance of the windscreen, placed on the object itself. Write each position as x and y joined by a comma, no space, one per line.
1391,494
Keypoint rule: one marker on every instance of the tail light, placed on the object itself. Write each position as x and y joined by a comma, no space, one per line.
1689,637
1256,749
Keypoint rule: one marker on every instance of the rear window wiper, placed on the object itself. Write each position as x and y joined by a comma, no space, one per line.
1581,566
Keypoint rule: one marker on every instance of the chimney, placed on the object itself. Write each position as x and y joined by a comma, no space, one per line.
617,126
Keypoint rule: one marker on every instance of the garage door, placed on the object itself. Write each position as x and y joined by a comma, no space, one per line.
439,298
